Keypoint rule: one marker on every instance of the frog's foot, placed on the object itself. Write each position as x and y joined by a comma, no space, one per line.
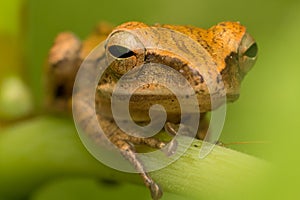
168,148
129,153
172,129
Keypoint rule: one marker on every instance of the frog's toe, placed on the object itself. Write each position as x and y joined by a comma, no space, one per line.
170,148
171,128
156,192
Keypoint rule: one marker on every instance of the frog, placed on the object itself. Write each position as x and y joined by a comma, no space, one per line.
231,48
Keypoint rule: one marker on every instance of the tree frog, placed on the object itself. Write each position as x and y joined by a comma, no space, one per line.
228,44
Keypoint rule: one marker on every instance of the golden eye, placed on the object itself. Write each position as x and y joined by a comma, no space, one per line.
120,51
251,52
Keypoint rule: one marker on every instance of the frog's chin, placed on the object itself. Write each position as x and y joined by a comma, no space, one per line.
232,97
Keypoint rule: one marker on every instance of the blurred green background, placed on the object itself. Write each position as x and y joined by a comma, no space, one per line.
268,109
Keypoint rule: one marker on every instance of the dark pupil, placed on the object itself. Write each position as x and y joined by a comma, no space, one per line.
120,52
251,51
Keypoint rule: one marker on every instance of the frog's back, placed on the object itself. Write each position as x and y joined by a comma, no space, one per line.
219,41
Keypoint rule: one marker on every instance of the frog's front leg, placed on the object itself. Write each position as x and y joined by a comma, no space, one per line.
125,143
128,151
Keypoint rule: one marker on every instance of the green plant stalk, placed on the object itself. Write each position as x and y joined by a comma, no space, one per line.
38,150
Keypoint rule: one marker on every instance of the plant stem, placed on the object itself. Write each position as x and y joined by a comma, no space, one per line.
43,148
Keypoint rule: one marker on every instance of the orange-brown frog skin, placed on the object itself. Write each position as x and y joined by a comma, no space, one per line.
226,50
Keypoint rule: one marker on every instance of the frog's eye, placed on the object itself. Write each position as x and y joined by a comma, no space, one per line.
251,52
247,53
124,51
120,51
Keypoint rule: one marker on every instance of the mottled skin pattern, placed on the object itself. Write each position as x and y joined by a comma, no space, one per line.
224,52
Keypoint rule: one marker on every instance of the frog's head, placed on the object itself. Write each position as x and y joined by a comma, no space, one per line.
225,49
